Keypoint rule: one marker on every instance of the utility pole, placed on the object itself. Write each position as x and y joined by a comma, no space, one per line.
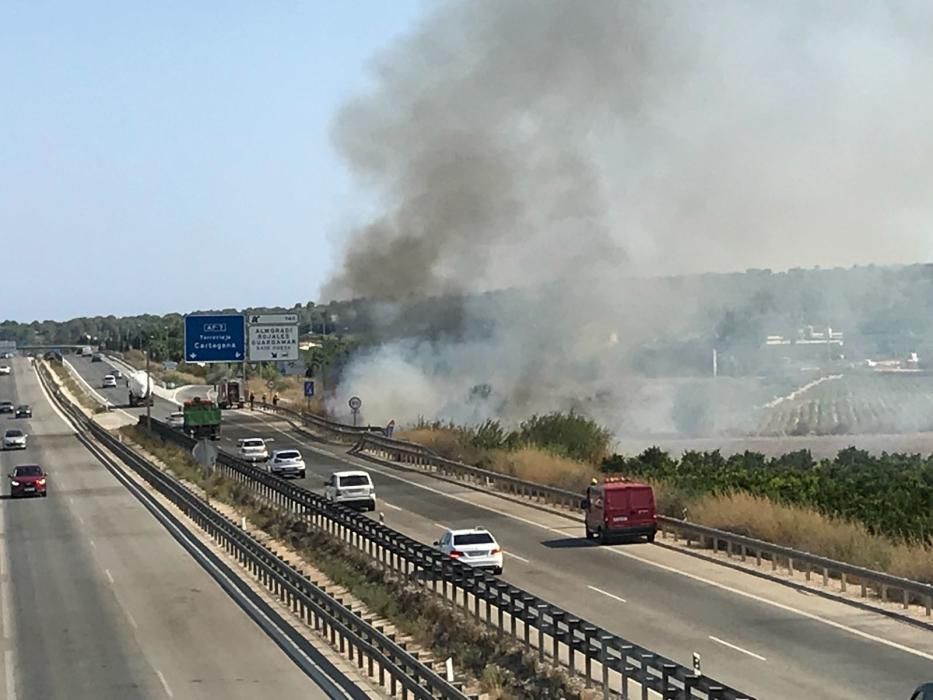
148,388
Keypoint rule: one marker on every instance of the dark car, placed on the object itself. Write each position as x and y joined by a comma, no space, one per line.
6,407
23,411
924,692
96,357
117,374
28,480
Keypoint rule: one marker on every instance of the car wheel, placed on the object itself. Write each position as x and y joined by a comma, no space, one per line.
497,571
602,536
650,537
44,494
301,474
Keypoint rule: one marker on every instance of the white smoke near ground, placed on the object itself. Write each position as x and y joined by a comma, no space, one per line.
566,150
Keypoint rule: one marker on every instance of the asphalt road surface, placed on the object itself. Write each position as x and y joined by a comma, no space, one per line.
757,636
99,601
758,642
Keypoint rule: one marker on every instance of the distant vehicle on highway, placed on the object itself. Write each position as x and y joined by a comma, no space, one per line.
117,373
6,356
28,480
201,419
110,382
253,449
287,463
475,547
351,488
5,369
6,407
229,394
97,357
619,508
14,439
176,420
924,692
23,411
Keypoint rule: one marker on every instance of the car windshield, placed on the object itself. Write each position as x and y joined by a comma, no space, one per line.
354,480
28,471
288,455
473,538
14,433
178,414
23,407
252,443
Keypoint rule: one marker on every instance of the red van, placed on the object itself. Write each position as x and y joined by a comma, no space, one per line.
619,508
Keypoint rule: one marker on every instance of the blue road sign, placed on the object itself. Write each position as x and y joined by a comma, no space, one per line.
309,388
217,338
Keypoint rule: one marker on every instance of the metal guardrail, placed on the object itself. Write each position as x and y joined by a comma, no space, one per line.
884,586
356,639
551,631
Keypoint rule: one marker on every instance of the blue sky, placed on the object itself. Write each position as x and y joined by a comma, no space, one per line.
175,155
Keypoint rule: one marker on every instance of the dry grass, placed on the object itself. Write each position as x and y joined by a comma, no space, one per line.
291,393
807,530
744,514
543,467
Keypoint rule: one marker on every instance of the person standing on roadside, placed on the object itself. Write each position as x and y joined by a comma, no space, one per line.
275,400
252,400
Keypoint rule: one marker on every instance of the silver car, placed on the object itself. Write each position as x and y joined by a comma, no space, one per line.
287,463
14,439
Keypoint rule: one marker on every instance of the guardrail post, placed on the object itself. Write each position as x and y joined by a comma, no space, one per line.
668,692
501,588
573,624
556,618
540,608
588,632
604,640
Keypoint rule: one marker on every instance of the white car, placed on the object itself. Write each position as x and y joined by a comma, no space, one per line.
176,420
5,369
475,547
287,463
253,449
14,439
351,488
110,382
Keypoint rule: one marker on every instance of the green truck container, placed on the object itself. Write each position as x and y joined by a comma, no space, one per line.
201,419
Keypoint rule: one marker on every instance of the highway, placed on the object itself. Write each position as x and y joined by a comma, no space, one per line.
758,636
98,599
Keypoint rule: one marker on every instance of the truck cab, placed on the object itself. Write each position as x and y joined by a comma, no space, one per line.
201,419
619,508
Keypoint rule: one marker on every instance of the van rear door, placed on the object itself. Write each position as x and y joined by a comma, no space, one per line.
641,505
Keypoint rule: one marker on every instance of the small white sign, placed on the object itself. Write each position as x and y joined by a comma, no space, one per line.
273,343
272,319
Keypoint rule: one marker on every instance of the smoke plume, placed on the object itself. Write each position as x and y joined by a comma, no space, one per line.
569,150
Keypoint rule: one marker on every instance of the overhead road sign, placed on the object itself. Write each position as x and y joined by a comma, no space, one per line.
215,338
269,343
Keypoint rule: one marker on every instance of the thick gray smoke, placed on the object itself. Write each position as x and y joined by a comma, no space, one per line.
568,148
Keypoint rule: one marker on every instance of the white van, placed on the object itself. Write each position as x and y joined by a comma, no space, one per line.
351,488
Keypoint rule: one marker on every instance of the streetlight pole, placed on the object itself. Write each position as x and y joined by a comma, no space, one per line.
148,388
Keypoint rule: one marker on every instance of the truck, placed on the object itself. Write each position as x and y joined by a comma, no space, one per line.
139,389
229,394
201,419
619,508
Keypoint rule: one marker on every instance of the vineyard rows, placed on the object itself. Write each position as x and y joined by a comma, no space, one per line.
857,403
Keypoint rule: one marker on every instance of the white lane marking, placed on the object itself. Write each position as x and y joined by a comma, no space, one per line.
10,682
93,546
607,594
442,527
515,556
168,691
129,617
389,505
109,575
81,520
664,567
71,500
737,648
